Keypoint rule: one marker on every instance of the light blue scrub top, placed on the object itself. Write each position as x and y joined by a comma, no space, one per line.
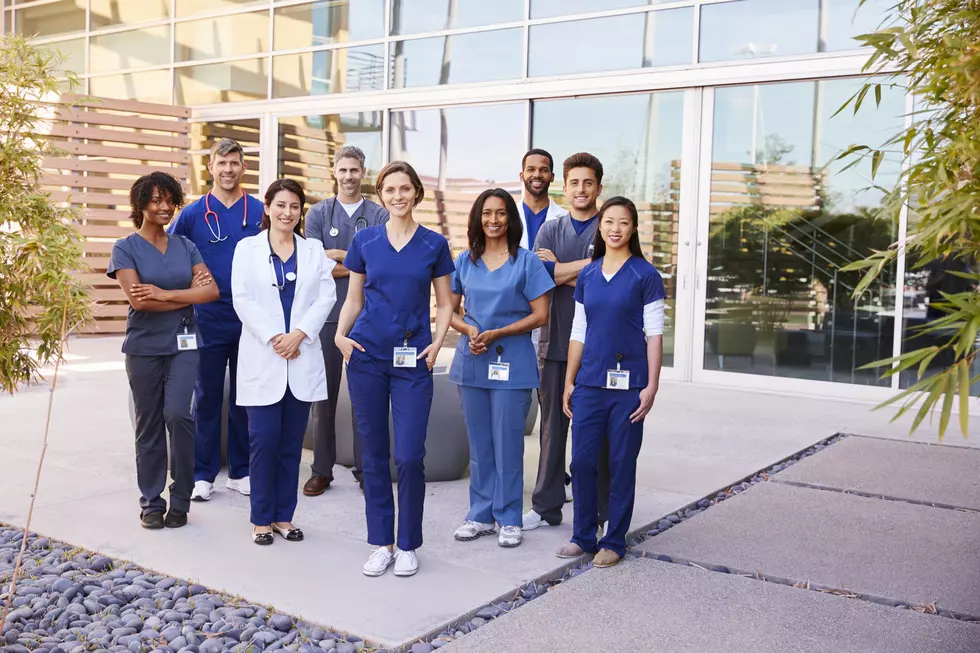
492,301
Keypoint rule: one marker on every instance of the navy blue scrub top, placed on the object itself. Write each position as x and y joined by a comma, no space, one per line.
155,334
287,287
614,319
218,321
397,288
492,301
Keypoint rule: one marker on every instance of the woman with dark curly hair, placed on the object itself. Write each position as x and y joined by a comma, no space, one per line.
163,276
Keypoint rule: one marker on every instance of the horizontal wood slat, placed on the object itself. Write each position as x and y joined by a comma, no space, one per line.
119,120
128,153
129,106
179,171
119,136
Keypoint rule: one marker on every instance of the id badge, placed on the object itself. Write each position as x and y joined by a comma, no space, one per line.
186,341
405,356
617,380
499,372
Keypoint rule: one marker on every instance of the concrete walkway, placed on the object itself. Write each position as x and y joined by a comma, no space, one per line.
698,440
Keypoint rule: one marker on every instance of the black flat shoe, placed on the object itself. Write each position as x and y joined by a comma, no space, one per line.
176,518
263,539
152,520
291,535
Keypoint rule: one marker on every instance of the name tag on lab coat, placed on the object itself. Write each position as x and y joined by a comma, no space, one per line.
405,356
617,380
499,372
186,341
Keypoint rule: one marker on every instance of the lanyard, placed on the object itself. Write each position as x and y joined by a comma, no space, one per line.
217,237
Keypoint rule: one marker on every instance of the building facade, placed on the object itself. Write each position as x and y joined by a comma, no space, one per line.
717,117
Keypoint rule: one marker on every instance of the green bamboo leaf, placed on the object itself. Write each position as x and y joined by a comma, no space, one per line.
877,95
939,384
924,365
876,159
968,337
964,381
860,97
947,410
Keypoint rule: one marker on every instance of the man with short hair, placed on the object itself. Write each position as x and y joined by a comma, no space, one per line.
333,222
537,174
565,245
216,223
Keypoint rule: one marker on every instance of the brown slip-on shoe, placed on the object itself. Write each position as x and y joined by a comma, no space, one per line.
605,558
316,486
570,550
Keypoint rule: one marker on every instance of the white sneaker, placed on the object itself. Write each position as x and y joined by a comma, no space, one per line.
510,536
532,520
202,491
379,562
568,493
470,530
406,563
242,485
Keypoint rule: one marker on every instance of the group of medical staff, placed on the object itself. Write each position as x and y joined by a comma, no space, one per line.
562,302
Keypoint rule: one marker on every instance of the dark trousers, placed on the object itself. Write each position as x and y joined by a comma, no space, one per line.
601,415
163,396
324,413
373,384
276,438
549,489
209,394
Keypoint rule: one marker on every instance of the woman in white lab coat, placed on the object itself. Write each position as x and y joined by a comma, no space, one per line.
283,289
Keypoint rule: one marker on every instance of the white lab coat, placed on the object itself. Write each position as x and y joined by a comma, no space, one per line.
262,373
554,212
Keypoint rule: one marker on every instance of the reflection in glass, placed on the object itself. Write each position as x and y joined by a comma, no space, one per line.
640,153
204,134
459,152
549,8
418,16
307,143
344,70
458,59
751,29
151,86
127,12
657,38
192,7
232,81
52,18
226,36
782,227
138,48
328,21
73,52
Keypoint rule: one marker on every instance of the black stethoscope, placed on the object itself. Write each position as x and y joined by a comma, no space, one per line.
208,212
280,272
359,224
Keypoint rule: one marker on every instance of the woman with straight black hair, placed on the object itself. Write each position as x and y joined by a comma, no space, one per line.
614,361
495,366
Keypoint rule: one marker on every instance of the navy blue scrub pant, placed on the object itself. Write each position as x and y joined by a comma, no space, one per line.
599,416
495,421
276,438
372,384
209,393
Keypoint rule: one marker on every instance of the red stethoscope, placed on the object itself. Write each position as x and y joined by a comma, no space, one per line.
208,212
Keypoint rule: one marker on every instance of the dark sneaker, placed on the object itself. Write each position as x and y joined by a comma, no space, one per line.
176,518
152,520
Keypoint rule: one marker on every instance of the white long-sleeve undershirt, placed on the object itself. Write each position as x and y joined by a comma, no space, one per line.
653,320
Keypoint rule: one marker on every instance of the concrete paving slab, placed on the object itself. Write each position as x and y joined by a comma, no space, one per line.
682,609
887,549
932,474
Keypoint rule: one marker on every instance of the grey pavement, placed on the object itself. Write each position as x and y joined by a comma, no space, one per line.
889,549
928,473
645,605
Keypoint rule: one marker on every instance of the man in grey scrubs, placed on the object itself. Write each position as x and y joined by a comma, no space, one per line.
333,222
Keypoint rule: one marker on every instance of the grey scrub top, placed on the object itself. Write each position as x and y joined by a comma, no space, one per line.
155,334
318,222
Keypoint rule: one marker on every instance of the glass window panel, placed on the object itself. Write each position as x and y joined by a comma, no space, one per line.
640,153
548,8
345,70
307,144
658,38
204,134
152,86
138,48
469,148
127,12
782,226
73,53
326,22
61,17
192,7
230,81
226,36
751,29
478,57
417,16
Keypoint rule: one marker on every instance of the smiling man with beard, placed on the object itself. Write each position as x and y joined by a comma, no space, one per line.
216,223
537,173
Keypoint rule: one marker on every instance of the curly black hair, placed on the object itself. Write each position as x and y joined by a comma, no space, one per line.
142,192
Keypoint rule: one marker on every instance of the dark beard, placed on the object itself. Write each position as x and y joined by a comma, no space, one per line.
543,193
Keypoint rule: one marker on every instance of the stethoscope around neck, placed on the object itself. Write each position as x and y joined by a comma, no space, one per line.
359,224
280,272
218,238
